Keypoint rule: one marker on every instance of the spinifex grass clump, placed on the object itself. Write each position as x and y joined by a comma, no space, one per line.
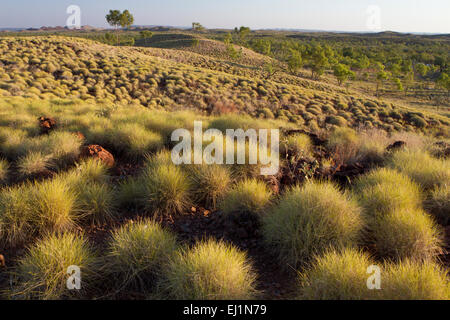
96,200
209,271
33,164
4,166
409,280
248,196
406,233
42,272
337,275
16,225
309,220
167,188
210,183
299,144
134,140
396,224
426,171
382,191
53,206
137,253
438,204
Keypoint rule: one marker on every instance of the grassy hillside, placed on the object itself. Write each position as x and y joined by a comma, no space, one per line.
50,67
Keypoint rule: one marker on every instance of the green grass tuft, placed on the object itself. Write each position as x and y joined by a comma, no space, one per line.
248,196
209,271
310,219
42,272
138,251
425,170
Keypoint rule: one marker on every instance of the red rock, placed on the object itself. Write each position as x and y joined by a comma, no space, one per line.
98,152
46,124
79,136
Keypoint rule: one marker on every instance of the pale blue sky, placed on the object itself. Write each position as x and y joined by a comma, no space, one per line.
342,15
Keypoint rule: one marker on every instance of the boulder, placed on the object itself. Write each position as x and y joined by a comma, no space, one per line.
98,152
397,145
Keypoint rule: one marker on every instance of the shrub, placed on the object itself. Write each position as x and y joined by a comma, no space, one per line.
409,280
137,253
384,190
167,189
53,203
210,183
64,148
425,170
337,275
134,140
344,143
309,220
438,204
299,144
90,171
336,120
15,219
404,234
96,203
209,271
248,196
131,193
4,166
33,164
372,146
342,137
42,272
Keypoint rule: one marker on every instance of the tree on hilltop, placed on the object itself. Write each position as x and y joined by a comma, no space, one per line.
117,19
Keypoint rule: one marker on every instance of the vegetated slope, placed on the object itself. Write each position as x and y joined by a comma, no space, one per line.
205,47
49,67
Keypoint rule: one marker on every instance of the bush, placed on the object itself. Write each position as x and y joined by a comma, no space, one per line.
91,171
137,253
209,183
64,148
336,120
309,220
209,271
53,206
337,275
132,193
344,143
384,190
4,166
406,234
342,137
33,164
96,203
134,140
16,227
438,204
248,196
410,280
299,144
42,272
167,189
425,170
